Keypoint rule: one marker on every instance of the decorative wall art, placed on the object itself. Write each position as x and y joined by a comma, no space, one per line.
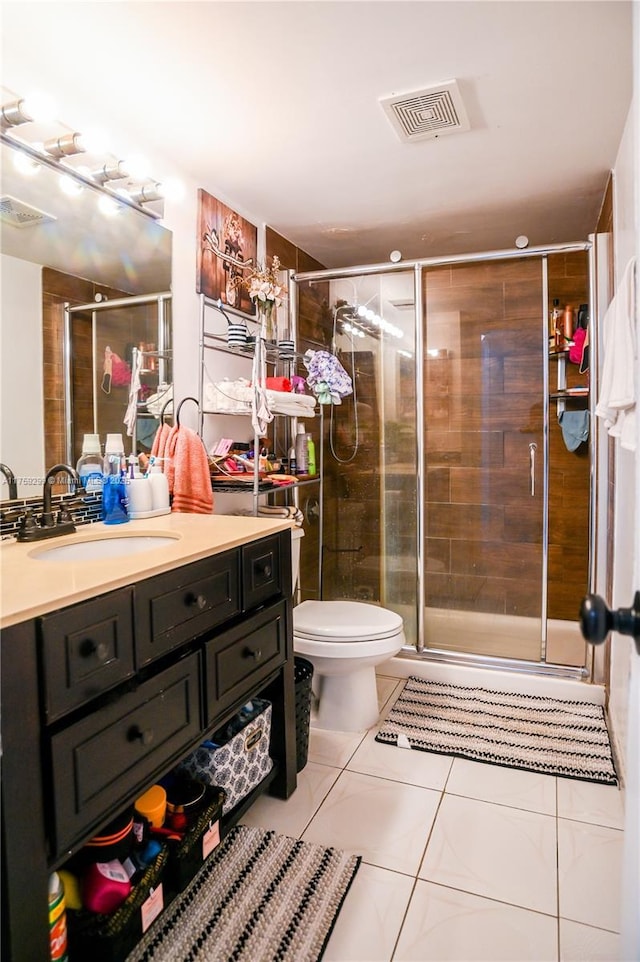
227,250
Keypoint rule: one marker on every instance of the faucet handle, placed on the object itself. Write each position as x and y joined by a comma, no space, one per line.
28,522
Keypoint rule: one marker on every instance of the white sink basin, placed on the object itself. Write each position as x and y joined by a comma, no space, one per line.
96,549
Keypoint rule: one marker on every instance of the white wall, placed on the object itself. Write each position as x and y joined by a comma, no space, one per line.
625,475
21,400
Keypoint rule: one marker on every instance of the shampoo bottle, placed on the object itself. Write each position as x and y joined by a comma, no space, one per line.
89,466
114,495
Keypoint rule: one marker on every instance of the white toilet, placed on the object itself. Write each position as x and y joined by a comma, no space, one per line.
344,641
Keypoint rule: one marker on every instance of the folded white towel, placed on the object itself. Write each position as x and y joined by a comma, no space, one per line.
234,397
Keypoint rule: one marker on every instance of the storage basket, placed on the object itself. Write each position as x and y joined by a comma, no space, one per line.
110,938
237,756
187,857
303,674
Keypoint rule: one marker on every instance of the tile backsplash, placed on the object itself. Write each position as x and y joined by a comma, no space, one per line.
87,509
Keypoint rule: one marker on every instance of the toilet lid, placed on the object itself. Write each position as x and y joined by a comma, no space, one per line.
344,620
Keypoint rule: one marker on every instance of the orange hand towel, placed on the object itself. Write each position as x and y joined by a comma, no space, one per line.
169,454
192,491
160,440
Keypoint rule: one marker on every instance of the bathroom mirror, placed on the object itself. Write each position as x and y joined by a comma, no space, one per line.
42,227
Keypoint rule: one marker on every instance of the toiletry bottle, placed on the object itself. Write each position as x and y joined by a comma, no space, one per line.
139,500
89,465
555,324
159,488
292,460
567,322
302,452
311,455
57,920
114,495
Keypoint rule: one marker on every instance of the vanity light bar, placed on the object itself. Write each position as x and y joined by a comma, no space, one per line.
83,179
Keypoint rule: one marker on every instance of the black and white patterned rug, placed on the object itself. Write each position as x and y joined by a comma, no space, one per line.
539,734
260,897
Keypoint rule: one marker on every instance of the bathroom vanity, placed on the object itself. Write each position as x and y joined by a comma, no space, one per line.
113,670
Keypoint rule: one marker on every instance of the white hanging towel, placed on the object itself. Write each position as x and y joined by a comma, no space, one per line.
618,391
132,407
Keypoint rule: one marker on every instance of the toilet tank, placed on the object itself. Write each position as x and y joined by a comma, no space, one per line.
297,534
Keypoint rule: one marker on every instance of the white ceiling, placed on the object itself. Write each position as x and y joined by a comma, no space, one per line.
274,108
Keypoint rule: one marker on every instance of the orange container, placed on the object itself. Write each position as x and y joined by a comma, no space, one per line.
153,805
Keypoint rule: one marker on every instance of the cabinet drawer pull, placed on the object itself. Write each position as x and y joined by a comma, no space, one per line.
255,653
264,568
136,733
90,647
197,601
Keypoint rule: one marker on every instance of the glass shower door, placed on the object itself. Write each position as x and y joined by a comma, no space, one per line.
484,465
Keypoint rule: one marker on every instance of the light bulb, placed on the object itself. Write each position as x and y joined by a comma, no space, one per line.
39,106
108,206
93,141
137,167
69,186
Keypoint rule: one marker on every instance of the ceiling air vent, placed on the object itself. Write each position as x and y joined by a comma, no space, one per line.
18,214
431,112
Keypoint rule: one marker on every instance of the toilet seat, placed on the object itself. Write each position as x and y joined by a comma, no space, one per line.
344,621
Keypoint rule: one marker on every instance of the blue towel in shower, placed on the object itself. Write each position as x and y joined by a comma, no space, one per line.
575,428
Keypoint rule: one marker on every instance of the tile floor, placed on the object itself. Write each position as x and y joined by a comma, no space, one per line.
460,860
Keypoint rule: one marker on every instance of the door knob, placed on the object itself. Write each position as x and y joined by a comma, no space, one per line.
597,620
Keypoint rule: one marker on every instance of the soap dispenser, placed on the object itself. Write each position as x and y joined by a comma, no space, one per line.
159,487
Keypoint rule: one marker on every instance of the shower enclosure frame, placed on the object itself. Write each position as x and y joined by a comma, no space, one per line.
417,266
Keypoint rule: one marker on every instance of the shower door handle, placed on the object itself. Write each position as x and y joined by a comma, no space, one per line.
533,447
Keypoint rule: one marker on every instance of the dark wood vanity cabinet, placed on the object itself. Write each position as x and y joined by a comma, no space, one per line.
103,697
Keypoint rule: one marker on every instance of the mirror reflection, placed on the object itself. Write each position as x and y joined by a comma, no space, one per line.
58,249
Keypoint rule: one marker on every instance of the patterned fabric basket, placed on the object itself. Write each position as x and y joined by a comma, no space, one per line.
235,762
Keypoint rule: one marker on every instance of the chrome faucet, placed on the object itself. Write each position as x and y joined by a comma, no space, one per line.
11,481
49,527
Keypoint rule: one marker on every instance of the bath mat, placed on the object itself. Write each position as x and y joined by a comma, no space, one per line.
261,897
532,732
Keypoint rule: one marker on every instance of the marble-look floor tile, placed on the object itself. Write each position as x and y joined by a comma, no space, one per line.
530,791
385,822
291,816
332,748
444,925
370,918
590,802
583,943
494,851
426,769
589,872
388,689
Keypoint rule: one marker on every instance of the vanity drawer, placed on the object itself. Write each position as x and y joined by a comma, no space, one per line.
86,649
261,571
174,608
237,659
103,759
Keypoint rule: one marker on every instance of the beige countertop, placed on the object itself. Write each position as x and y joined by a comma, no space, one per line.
30,586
